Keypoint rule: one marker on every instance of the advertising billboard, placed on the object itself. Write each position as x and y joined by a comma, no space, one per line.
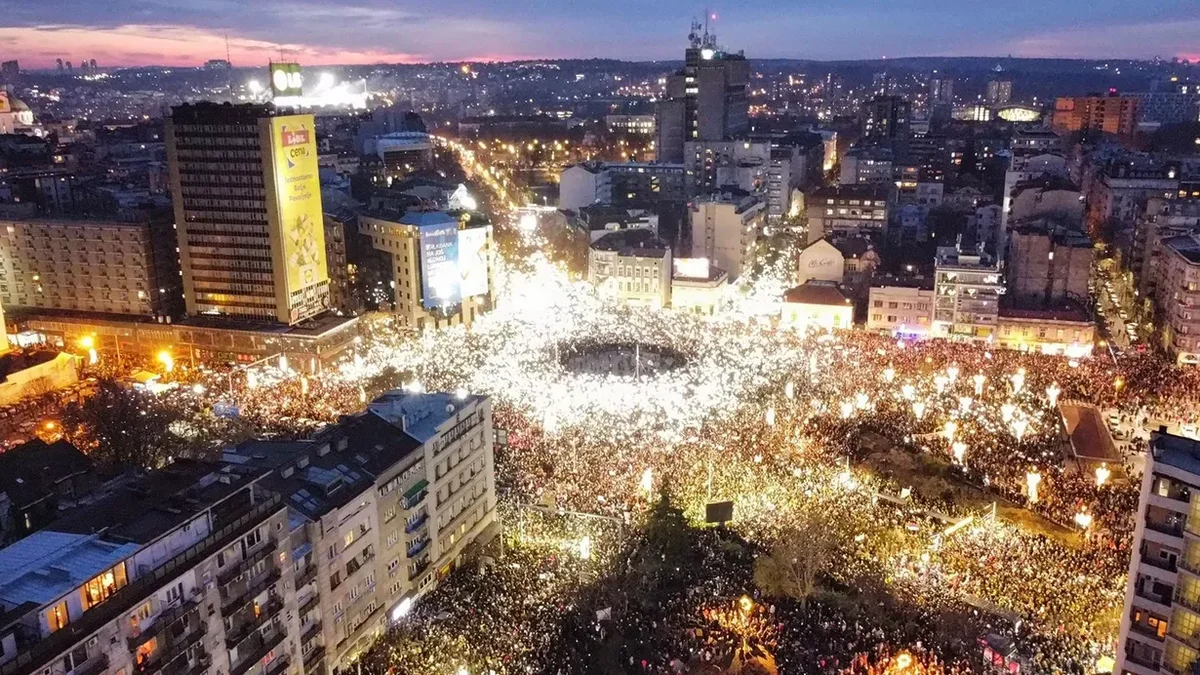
286,79
440,281
472,261
301,229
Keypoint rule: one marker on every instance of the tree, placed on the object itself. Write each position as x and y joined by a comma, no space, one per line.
121,428
801,554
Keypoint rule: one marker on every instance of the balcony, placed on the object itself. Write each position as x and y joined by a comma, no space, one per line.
277,666
235,638
310,633
416,494
415,549
260,648
1159,563
312,658
163,661
416,524
417,569
234,603
310,604
261,552
1143,661
98,664
1143,629
160,622
307,576
1172,529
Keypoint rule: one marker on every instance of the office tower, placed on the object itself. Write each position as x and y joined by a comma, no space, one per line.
886,117
941,90
999,91
706,101
248,210
1162,596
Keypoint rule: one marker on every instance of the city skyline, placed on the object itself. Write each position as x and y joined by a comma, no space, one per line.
156,32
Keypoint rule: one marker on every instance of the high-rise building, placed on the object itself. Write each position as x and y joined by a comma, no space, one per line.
941,90
248,209
886,117
1162,594
1113,114
999,91
706,101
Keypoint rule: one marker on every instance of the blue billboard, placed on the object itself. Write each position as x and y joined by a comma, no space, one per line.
440,280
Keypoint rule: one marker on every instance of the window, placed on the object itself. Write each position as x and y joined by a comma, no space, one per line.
99,588
57,617
349,538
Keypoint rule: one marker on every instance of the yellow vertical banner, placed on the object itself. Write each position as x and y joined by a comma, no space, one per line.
298,188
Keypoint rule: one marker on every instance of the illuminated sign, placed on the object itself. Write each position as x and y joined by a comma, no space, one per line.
440,282
5,106
286,79
692,268
301,223
472,262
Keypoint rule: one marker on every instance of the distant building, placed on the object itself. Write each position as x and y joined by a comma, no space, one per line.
871,165
1178,104
770,167
1178,297
641,125
999,92
724,230
626,184
817,305
1162,219
820,261
442,275
860,210
886,117
1062,329
1112,114
941,90
602,220
706,101
633,266
10,70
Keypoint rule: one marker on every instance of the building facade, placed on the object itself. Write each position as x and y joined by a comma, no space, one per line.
900,309
1048,264
847,210
94,266
400,236
247,200
1160,621
725,231
633,266
967,291
705,101
1117,115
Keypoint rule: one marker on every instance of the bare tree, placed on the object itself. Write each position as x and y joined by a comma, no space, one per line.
792,567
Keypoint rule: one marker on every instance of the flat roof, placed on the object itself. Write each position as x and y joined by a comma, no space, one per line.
43,566
147,508
1177,451
420,414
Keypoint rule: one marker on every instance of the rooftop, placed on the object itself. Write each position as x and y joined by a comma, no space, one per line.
1088,433
420,414
427,219
29,471
45,565
1177,451
1063,311
152,505
638,242
1186,245
816,292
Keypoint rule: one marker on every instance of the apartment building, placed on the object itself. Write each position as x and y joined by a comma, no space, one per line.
180,572
110,267
725,230
858,210
901,308
1110,114
1178,297
448,286
1160,623
967,290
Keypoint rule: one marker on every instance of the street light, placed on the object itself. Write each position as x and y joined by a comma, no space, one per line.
164,357
89,343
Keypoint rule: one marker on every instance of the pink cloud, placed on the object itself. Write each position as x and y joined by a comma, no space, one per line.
137,44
